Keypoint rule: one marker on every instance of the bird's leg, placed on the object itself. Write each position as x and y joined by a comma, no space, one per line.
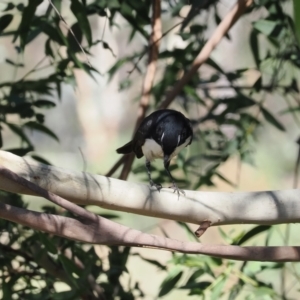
174,185
152,183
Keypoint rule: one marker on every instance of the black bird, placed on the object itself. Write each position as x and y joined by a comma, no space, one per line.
163,134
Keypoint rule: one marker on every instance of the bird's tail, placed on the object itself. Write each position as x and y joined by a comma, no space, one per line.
126,149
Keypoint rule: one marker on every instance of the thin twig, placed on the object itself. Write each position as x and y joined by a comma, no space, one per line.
34,68
70,29
296,169
150,45
116,166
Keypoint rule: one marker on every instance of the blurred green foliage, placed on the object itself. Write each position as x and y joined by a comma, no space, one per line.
32,263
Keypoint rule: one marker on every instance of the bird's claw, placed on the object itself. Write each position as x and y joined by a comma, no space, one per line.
157,185
176,189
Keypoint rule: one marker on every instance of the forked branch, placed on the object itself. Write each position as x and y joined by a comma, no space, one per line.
90,228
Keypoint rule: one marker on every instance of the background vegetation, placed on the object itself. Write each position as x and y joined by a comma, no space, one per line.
230,107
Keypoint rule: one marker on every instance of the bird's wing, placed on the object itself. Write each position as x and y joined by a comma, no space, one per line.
141,135
191,131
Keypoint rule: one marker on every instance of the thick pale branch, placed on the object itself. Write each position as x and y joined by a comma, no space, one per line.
91,228
106,232
265,207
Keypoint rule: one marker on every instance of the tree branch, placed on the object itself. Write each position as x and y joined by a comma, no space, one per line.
265,207
229,20
106,232
149,78
91,228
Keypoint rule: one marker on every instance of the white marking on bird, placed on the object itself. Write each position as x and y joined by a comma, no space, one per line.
179,148
152,150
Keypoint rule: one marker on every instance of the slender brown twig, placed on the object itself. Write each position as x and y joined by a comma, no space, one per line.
71,31
116,166
149,78
210,45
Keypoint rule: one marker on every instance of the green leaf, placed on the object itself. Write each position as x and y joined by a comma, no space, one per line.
9,6
70,268
79,12
41,159
213,64
297,18
27,16
188,230
254,46
54,33
198,273
44,104
39,127
109,216
47,242
19,131
225,179
73,44
151,261
48,49
271,119
218,288
254,231
5,20
1,140
116,67
290,110
20,151
265,26
170,281
196,287
7,60
259,292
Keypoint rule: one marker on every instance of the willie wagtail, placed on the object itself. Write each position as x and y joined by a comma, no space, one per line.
163,134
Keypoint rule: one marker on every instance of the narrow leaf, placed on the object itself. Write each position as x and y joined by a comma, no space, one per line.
1,140
254,231
152,261
290,110
27,16
297,18
41,159
5,21
48,243
265,26
254,46
19,131
20,151
170,282
271,119
188,230
41,128
7,60
44,104
79,12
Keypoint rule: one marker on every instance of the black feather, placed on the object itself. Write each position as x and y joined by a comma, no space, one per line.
126,149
